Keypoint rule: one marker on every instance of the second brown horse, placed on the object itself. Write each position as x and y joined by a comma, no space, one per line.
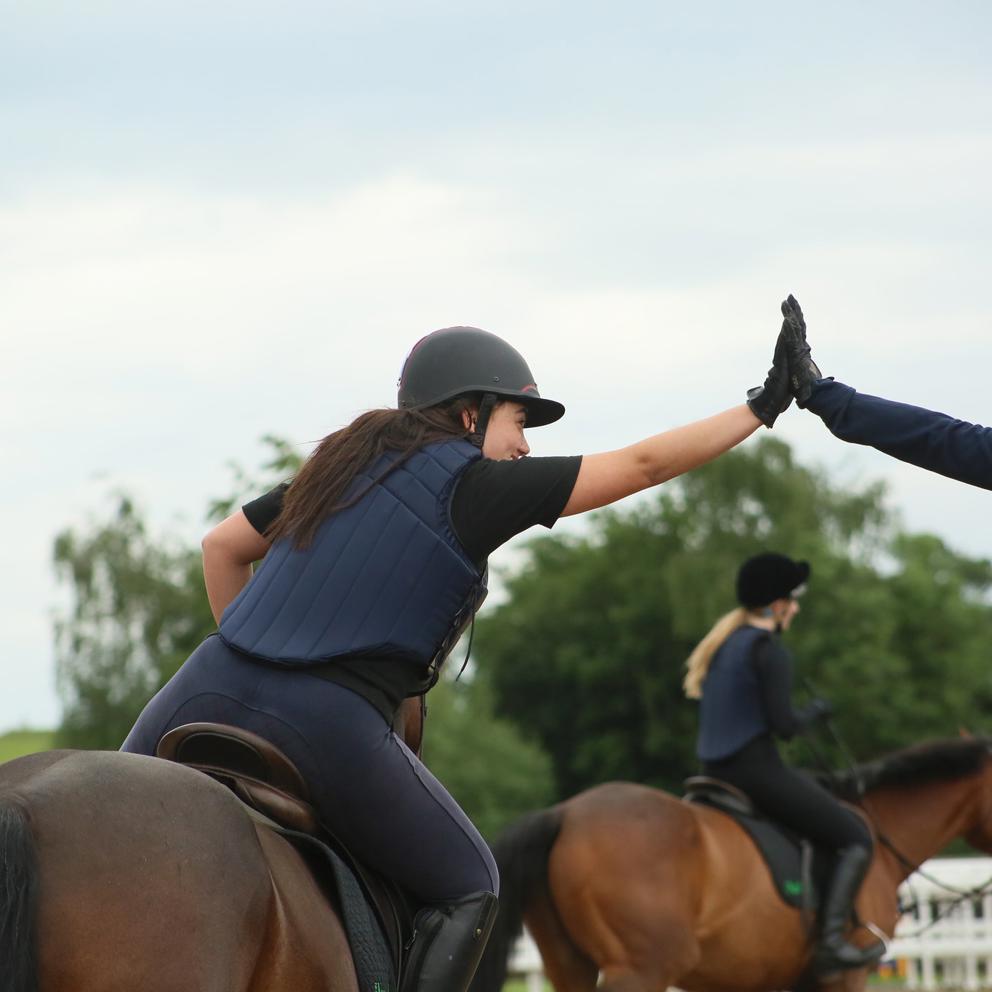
629,889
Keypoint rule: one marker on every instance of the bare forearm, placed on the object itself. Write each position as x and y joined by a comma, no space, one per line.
223,583
612,475
228,552
682,449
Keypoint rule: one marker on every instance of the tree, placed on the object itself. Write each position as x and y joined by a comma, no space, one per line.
139,608
587,653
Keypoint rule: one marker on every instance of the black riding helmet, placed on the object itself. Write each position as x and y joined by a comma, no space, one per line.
767,577
457,361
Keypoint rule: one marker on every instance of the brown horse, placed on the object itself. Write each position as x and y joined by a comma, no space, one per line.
124,872
629,889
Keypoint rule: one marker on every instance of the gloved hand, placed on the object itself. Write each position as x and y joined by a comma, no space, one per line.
803,371
773,397
815,711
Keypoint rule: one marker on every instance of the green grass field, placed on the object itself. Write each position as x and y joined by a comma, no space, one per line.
17,742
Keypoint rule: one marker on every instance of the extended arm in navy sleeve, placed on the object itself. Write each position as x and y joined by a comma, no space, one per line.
921,437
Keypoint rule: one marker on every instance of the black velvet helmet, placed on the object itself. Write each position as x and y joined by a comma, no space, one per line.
456,361
767,577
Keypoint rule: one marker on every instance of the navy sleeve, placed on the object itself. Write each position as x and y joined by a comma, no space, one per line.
774,667
931,440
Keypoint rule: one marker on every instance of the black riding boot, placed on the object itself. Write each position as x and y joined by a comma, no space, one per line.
834,953
448,942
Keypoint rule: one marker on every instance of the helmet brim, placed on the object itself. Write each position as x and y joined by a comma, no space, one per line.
540,411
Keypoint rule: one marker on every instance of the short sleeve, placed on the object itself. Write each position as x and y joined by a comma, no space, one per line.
262,511
495,500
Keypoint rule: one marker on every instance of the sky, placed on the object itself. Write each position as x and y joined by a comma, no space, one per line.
220,221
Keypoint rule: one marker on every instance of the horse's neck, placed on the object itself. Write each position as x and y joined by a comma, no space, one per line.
920,821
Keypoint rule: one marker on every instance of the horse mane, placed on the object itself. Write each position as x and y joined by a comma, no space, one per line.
931,761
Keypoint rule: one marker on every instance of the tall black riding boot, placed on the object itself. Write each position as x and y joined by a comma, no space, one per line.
834,953
448,942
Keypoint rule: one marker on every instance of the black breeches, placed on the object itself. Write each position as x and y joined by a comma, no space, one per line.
790,797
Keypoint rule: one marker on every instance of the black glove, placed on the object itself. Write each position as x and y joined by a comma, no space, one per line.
815,711
803,371
774,396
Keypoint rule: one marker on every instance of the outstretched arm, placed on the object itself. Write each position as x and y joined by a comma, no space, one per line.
931,440
607,477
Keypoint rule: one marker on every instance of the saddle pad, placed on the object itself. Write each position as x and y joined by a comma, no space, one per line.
369,944
794,869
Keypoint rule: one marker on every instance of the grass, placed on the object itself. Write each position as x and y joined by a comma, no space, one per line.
519,985
17,742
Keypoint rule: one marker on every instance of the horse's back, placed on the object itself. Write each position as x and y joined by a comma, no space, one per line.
152,876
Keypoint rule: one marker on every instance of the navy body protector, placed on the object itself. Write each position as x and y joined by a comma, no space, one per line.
731,711
386,577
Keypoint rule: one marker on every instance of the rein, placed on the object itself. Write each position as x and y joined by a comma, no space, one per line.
913,868
963,895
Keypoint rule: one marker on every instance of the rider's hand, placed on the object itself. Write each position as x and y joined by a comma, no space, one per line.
803,371
773,397
815,711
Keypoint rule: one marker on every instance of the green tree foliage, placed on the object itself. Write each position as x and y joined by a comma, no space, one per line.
587,653
138,610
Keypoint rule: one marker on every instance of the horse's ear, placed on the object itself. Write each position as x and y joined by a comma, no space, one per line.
965,733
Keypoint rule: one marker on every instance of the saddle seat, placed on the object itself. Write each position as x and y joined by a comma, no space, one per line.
256,771
716,792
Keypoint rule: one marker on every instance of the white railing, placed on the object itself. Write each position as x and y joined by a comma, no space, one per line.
939,944
954,952
525,962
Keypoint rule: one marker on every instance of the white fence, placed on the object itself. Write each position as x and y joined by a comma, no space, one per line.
955,948
953,952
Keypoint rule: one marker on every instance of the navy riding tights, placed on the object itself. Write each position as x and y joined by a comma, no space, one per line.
366,784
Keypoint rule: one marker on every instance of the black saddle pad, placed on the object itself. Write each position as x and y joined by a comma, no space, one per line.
798,869
376,941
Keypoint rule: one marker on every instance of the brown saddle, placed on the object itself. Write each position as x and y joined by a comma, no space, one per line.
703,788
256,771
266,780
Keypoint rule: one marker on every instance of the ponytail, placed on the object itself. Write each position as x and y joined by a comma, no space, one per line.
699,661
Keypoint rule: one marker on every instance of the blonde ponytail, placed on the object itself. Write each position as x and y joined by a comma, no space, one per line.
699,661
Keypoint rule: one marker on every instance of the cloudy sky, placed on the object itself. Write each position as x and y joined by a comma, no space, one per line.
229,219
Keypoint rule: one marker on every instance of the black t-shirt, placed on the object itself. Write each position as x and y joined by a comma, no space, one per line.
492,502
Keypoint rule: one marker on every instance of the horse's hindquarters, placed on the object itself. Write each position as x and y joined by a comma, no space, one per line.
151,876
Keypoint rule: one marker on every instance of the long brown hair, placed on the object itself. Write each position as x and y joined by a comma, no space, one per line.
316,491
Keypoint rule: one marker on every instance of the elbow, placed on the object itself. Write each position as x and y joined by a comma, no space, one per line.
211,541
